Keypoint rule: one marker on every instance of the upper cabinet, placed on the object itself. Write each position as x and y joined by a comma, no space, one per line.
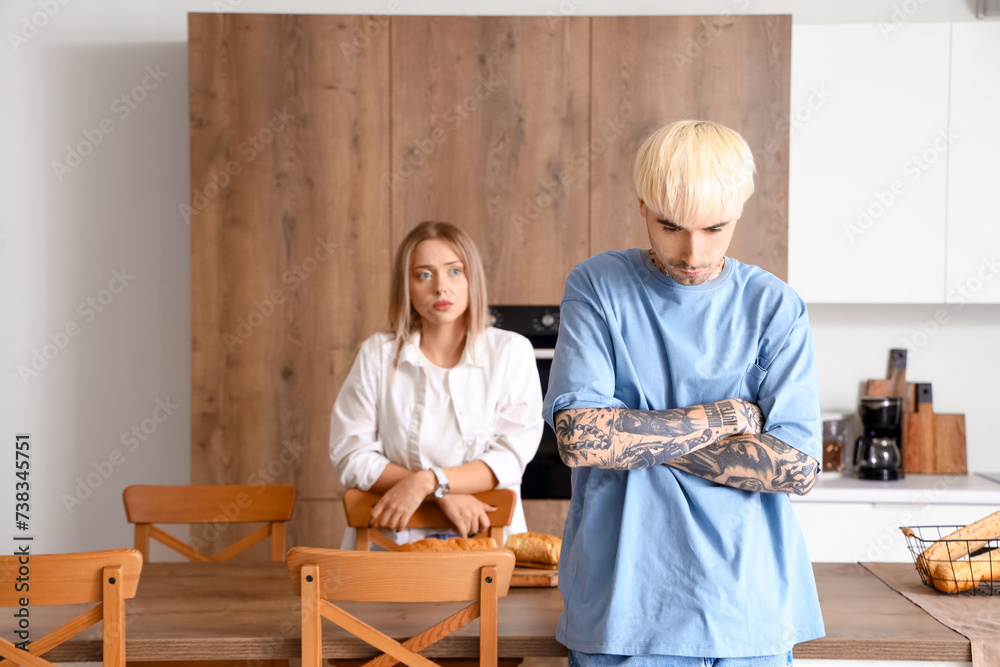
870,145
973,248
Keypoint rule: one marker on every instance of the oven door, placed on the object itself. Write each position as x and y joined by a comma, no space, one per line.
546,476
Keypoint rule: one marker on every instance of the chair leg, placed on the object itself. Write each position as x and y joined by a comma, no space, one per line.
312,631
114,617
488,618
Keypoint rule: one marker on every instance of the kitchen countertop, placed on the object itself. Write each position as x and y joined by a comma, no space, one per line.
969,489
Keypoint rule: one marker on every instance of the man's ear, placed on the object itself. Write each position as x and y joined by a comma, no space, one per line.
642,208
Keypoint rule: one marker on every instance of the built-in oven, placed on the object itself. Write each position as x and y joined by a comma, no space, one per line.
546,476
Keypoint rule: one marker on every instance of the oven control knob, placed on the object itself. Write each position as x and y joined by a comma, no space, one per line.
548,320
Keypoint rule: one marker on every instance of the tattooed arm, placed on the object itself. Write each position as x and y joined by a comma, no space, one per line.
753,462
720,442
620,439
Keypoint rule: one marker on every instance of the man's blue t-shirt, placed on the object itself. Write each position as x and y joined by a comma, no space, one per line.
659,561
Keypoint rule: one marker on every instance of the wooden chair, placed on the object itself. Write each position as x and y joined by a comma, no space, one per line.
319,575
105,577
272,504
358,506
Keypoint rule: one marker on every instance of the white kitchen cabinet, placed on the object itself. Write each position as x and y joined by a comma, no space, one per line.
868,152
973,272
845,519
852,532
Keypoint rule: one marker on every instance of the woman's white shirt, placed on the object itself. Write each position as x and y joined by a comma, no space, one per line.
381,416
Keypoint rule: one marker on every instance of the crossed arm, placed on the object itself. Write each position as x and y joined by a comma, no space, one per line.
721,442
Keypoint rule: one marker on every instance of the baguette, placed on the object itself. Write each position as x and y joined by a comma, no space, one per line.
450,544
942,562
964,575
535,549
953,547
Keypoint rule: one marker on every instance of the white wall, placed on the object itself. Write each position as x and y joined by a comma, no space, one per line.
61,241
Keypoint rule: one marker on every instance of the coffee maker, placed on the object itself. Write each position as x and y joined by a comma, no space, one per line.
877,454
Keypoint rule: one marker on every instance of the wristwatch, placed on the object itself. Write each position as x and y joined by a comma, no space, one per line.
443,487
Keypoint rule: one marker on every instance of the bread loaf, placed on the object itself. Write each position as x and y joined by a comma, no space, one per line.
450,544
942,562
535,549
959,543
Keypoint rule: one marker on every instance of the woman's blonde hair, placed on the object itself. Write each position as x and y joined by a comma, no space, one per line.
404,320
693,170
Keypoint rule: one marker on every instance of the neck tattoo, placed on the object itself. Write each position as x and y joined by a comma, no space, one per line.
662,269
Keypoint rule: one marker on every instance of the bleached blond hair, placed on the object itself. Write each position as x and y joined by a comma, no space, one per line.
694,170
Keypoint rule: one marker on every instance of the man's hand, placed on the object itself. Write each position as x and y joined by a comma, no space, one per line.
399,503
752,462
618,439
468,513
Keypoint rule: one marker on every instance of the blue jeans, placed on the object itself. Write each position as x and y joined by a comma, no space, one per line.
577,659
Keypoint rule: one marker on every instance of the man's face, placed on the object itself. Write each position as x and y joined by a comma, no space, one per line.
689,251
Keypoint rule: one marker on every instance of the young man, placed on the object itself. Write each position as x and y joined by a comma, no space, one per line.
683,395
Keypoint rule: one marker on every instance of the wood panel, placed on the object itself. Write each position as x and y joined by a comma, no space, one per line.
290,252
318,141
652,70
317,523
489,130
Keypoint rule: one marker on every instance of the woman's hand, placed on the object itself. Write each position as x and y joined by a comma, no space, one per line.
468,513
399,503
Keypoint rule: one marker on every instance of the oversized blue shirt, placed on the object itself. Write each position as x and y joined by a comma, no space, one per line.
659,561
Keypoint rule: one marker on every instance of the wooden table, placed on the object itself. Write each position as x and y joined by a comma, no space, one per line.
204,611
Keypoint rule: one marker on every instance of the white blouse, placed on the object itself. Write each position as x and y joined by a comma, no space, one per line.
495,394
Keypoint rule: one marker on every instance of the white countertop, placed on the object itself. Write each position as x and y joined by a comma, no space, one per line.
972,489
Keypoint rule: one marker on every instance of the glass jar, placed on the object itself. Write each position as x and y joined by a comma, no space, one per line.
834,441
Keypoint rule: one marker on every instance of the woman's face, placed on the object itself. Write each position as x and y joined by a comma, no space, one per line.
439,288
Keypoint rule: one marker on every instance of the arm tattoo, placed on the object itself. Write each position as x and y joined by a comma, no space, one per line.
753,462
631,439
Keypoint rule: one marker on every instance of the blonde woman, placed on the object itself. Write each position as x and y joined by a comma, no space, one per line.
443,406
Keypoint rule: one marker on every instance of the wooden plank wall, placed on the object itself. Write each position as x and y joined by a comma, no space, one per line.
731,69
288,261
318,141
485,133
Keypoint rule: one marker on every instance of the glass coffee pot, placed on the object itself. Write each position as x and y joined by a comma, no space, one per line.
877,455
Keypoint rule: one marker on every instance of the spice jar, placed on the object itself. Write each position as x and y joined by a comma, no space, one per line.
834,441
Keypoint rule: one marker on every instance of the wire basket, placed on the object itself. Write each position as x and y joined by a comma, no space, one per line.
966,567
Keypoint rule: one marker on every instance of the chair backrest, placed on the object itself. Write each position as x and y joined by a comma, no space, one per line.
358,506
320,575
105,577
238,503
